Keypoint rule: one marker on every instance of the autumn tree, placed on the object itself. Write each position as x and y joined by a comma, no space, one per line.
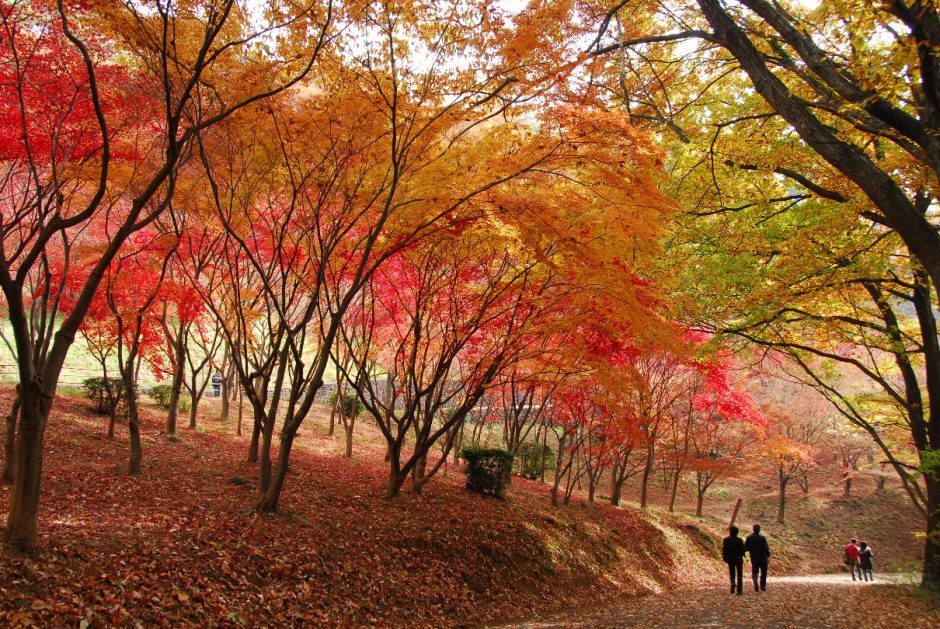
726,438
378,156
796,432
833,113
100,104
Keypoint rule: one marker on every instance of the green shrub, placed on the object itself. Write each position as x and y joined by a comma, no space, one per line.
106,393
489,470
533,459
161,395
352,405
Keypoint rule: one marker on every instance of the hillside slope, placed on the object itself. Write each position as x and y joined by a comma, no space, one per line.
180,546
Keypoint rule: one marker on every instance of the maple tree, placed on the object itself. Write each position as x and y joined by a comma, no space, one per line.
330,201
84,134
460,216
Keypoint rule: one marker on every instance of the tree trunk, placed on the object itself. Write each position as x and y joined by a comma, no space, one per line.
193,411
20,530
351,423
847,487
616,488
133,427
700,504
782,505
255,437
271,497
9,446
544,448
227,380
395,478
176,384
264,464
241,409
225,400
931,578
417,473
195,397
644,485
674,491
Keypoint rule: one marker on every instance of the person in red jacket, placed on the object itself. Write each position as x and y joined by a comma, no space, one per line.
850,556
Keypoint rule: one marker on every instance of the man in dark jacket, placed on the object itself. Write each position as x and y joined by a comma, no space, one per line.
732,551
756,545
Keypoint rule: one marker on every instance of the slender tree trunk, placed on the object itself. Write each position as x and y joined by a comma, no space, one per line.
931,578
264,462
395,478
544,449
241,412
193,412
226,389
674,490
255,435
700,504
616,488
782,505
847,487
20,530
176,384
458,446
194,401
133,426
9,446
559,474
350,425
644,485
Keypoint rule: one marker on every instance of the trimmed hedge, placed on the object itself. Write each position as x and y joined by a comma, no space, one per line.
489,470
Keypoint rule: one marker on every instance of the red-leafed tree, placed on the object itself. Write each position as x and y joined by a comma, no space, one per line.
438,323
728,428
85,136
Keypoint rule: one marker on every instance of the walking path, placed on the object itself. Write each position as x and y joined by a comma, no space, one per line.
817,601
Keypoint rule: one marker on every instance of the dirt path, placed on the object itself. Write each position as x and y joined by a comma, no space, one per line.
817,601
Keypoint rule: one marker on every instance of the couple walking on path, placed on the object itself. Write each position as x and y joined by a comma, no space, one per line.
733,550
858,557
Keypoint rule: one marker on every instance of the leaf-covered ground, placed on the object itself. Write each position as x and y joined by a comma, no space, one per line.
824,602
179,546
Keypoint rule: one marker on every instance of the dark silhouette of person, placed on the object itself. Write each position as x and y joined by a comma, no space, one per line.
865,561
732,551
756,545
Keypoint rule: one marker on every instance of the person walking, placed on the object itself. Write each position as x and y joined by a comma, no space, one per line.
866,567
216,384
850,556
732,551
757,547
